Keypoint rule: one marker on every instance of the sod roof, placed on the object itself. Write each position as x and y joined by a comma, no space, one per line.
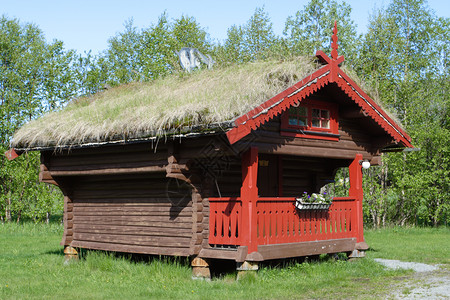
180,103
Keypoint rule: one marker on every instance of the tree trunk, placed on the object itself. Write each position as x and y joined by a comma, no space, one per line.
19,214
8,210
374,217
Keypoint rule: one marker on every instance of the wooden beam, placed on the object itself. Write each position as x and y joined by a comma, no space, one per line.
12,154
108,171
238,254
276,251
296,150
175,251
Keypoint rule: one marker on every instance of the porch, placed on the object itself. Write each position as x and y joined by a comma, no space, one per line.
262,228
279,222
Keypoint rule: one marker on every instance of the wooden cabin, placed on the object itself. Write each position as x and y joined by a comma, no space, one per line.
226,190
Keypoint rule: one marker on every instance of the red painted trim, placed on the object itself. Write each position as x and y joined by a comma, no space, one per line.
284,94
356,191
277,104
225,221
302,89
251,121
334,43
310,104
279,222
11,154
373,110
249,197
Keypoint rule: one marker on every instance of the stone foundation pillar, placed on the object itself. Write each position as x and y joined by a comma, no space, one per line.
200,269
246,268
70,254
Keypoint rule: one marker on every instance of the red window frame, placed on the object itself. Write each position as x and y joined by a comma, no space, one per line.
309,131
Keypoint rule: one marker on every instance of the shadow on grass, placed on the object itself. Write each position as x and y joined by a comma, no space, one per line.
133,257
59,252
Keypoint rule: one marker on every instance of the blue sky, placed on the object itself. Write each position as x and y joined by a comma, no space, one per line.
87,24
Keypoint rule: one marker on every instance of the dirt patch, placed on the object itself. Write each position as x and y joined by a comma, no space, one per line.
428,281
429,285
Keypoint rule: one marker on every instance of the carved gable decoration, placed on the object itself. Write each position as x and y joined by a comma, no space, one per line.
299,93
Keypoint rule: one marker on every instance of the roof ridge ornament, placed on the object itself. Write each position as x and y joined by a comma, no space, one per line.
334,44
335,58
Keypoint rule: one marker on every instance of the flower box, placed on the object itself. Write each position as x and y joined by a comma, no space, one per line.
310,206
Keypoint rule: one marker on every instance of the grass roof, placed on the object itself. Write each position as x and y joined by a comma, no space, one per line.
201,101
176,102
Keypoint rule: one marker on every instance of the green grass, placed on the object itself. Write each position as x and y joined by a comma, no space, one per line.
32,266
426,245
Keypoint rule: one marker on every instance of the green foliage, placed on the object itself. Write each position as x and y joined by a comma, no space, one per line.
21,194
311,28
252,41
379,198
91,73
35,77
405,55
150,53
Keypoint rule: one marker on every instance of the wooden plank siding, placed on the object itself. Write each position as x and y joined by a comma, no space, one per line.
127,198
148,212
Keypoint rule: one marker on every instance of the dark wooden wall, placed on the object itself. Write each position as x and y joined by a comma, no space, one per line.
127,198
137,213
353,139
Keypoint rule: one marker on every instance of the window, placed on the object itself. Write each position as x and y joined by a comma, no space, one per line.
311,119
320,118
298,116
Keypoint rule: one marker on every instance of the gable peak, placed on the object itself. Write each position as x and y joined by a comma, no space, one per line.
335,58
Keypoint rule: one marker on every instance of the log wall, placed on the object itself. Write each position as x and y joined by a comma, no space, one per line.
141,213
131,198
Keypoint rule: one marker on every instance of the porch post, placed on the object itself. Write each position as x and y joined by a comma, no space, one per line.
249,196
356,191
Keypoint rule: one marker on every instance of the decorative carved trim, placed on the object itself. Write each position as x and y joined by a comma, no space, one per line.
330,72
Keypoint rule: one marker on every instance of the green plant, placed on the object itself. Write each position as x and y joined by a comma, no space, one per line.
320,198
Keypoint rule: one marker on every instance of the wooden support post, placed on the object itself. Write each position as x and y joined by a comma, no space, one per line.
356,191
249,196
200,269
70,254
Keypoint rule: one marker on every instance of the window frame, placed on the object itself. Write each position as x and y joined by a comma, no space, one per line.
309,131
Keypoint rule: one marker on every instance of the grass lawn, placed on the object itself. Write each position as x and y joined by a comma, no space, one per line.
32,266
425,245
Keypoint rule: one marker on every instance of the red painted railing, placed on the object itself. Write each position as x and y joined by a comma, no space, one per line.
278,221
225,219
